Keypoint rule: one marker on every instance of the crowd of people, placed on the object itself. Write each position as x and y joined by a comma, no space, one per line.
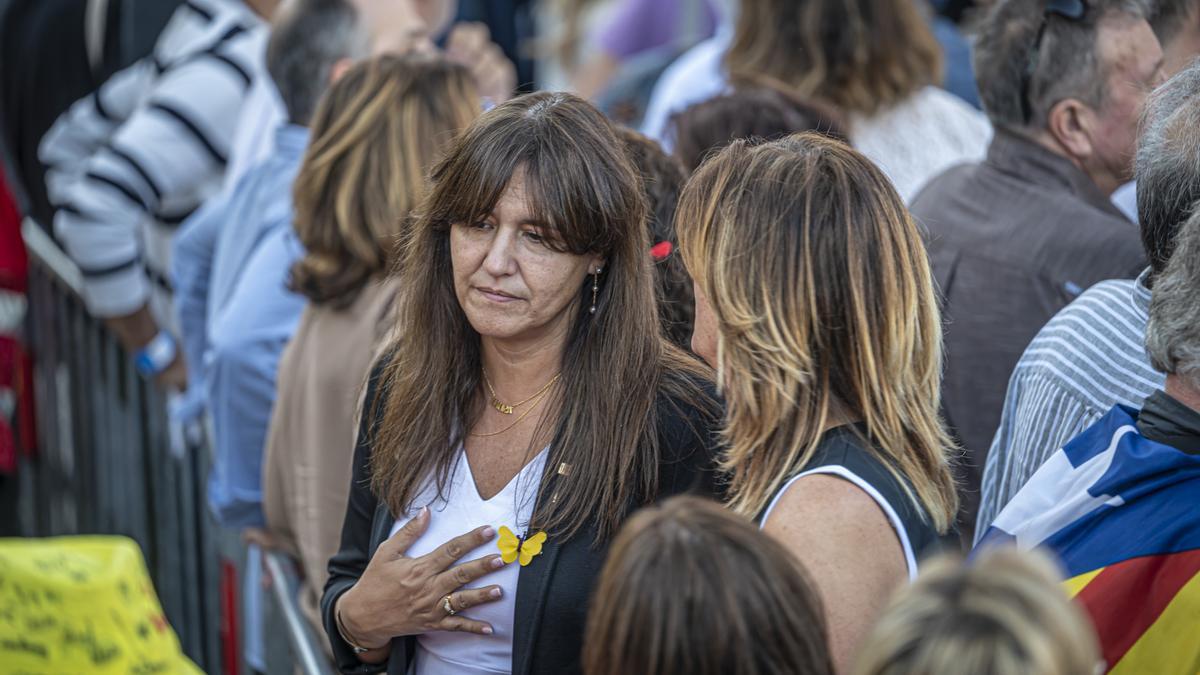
860,356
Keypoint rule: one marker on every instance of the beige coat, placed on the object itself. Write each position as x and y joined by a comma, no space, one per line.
310,446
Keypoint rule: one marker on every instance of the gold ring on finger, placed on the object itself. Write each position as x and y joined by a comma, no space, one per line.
448,606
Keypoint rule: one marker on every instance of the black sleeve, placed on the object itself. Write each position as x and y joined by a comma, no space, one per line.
347,565
690,446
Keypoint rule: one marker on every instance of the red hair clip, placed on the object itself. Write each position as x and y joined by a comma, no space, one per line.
660,251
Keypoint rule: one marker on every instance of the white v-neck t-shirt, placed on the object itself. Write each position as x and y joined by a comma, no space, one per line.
462,510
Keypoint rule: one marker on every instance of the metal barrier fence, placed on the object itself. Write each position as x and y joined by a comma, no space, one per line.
105,466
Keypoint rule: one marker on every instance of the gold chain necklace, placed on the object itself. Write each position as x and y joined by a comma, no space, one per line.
507,409
539,396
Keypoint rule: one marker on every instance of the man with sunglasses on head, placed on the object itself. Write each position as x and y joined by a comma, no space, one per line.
1015,238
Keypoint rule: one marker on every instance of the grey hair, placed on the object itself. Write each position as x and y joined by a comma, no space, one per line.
1173,332
308,38
1167,167
1068,65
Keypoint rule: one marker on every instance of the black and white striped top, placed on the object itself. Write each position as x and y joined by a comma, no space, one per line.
128,163
842,452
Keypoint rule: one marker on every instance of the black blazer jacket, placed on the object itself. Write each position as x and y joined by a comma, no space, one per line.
554,590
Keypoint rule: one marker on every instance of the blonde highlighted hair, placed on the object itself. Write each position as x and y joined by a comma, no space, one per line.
375,135
824,300
1005,613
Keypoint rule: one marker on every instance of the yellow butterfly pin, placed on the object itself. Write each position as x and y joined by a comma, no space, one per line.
513,547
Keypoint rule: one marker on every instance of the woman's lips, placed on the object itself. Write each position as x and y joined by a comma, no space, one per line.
496,295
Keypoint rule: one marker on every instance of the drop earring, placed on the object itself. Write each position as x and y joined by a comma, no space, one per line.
595,289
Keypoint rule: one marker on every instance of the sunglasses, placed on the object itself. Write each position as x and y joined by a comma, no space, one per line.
1071,10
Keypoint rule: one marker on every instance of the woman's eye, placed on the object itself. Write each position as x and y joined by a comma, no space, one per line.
481,225
535,238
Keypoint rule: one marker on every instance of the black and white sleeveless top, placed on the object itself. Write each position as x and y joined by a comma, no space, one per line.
841,452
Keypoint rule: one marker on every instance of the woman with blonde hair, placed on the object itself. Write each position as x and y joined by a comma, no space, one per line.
1003,613
815,304
376,133
529,404
693,589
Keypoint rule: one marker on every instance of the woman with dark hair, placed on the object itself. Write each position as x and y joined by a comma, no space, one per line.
529,403
692,589
376,134
815,303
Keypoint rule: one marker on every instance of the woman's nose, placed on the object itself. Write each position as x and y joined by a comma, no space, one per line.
500,261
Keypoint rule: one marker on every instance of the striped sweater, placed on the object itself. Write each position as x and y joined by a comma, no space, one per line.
1088,358
127,164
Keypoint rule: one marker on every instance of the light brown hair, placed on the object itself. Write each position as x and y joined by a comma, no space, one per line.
375,136
692,589
825,305
862,56
617,366
1003,613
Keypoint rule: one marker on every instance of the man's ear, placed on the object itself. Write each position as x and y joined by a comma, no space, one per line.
1071,122
339,68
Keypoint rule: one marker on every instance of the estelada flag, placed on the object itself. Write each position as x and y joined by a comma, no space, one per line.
1122,515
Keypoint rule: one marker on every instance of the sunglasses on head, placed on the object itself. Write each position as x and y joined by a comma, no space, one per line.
1071,10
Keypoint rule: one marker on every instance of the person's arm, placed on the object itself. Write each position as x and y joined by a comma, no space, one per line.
85,127
348,564
170,146
1038,418
192,253
248,338
850,551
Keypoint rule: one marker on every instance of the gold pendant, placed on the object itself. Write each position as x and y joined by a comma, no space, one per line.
502,407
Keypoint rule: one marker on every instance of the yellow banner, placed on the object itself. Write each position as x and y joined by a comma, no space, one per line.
82,605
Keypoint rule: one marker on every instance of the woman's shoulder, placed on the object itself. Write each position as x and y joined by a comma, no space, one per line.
846,452
687,402
689,413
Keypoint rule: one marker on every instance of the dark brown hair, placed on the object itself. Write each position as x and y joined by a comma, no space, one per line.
752,113
663,178
374,137
690,588
862,56
616,362
825,306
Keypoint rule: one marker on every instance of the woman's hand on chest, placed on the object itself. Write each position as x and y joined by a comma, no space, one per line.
398,595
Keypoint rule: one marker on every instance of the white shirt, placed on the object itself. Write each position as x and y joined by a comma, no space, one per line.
696,76
921,137
1125,199
462,510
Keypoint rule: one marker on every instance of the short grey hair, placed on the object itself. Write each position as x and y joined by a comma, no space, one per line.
1167,167
307,39
1068,65
1173,332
